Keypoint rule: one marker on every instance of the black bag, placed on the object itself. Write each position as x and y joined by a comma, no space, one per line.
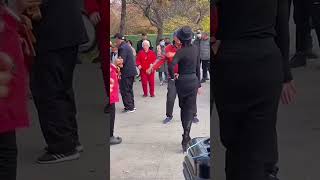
196,165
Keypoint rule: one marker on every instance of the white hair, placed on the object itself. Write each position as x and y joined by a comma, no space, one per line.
145,42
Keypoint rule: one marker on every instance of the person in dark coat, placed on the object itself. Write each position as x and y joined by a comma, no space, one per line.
188,80
128,73
59,34
304,12
251,75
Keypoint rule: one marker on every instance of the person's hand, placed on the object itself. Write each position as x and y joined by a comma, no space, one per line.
139,67
119,62
95,18
22,5
149,71
6,65
288,93
215,47
176,76
200,90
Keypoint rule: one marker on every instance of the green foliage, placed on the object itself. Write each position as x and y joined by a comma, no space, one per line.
177,22
205,24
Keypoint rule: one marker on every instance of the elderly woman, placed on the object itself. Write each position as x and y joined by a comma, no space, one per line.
145,59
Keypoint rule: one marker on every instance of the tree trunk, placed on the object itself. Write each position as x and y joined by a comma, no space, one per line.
123,17
160,34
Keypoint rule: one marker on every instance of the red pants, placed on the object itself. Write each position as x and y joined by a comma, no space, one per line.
145,79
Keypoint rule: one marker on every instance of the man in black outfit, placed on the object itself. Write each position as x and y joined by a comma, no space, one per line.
251,75
128,73
304,10
59,33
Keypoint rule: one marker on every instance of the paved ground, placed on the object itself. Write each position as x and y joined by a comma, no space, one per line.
152,150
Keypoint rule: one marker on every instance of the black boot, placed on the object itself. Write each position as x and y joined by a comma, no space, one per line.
186,135
272,173
298,60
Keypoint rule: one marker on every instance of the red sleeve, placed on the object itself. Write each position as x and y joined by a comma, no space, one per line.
214,15
159,63
91,6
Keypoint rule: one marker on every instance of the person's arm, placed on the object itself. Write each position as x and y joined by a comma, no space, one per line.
138,60
283,37
198,66
171,66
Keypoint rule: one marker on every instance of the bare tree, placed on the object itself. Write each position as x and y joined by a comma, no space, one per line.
123,16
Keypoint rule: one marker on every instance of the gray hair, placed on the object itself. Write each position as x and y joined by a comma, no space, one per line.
145,42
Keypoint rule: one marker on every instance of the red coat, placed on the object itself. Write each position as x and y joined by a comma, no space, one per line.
145,59
158,64
13,109
114,95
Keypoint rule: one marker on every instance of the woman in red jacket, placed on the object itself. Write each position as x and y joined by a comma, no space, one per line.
97,11
145,60
13,89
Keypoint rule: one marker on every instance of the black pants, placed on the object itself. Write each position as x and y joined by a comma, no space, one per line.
51,85
161,77
171,98
126,90
303,11
112,118
8,156
205,68
187,89
247,86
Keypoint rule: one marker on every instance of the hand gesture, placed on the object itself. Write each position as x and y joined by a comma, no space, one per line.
149,71
199,90
95,18
176,76
22,5
139,67
288,93
6,65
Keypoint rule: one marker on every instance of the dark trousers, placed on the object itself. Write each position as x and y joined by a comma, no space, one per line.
171,98
126,90
112,118
205,68
303,11
247,87
161,77
51,85
8,156
187,89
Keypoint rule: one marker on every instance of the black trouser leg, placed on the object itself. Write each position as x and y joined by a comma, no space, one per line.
248,120
301,16
52,88
8,156
205,68
171,98
126,89
112,118
160,76
315,14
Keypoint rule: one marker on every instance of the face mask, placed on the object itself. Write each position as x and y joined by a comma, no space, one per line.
162,43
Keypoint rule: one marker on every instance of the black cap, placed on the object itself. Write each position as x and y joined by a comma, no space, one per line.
118,36
185,33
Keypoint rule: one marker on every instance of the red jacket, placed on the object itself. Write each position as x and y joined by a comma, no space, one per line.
13,109
102,7
114,95
169,49
145,59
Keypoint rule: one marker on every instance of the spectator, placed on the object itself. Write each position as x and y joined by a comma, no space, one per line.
164,68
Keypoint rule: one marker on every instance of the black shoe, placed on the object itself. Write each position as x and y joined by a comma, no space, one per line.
298,60
51,158
184,143
195,119
203,81
272,173
167,120
115,140
79,148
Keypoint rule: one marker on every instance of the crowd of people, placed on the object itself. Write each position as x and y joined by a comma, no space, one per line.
177,64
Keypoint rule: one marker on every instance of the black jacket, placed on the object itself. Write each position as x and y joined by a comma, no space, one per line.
61,25
129,64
